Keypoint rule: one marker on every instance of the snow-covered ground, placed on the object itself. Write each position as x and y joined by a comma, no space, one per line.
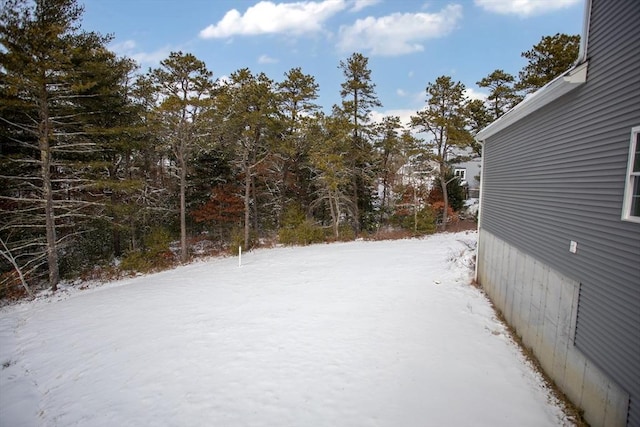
349,334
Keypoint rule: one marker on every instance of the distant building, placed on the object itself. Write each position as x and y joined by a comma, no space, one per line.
559,228
469,173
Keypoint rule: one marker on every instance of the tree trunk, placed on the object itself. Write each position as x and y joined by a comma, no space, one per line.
116,235
334,215
117,242
383,203
134,241
47,195
356,208
356,171
247,198
6,253
281,196
415,209
254,206
445,199
184,255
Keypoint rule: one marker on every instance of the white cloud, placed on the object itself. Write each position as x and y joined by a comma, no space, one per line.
224,80
267,17
475,94
401,92
524,8
398,33
266,59
362,4
420,97
125,46
151,58
404,114
471,93
129,48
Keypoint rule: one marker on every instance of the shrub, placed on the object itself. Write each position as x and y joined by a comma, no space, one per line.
422,223
346,232
93,246
438,208
11,287
154,256
296,229
456,194
158,239
389,233
236,241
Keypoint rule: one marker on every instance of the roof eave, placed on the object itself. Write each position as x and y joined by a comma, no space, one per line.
553,90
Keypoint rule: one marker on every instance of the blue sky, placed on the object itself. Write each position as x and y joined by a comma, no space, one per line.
409,43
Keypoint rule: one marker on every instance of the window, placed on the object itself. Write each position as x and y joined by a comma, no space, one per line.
462,173
631,205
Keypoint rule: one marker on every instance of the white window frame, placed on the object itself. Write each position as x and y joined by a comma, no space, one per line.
461,172
631,177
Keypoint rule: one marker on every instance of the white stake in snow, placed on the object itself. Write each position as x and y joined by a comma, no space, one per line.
239,256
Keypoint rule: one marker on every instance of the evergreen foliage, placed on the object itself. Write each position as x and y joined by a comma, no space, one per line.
423,223
358,99
413,211
174,154
446,120
297,229
153,256
503,95
184,89
455,191
54,79
552,56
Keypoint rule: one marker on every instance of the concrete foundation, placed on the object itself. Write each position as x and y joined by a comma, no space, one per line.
541,305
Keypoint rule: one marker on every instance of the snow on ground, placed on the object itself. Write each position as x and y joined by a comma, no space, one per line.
349,334
471,207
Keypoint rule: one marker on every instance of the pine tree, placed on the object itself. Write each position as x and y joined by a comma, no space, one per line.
502,95
332,175
394,146
445,121
247,107
50,76
140,184
358,99
296,96
479,118
184,86
552,56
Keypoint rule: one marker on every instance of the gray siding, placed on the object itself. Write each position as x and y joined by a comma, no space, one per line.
559,175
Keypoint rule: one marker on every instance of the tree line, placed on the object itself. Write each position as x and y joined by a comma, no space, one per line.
100,162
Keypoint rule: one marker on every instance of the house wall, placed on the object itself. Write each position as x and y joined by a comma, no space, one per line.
473,168
558,176
541,304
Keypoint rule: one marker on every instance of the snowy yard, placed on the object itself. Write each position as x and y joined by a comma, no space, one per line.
348,334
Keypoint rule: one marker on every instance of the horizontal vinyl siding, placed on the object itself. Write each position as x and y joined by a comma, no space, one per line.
559,175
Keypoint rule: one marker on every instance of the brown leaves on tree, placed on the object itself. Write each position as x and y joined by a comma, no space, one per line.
225,206
436,201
